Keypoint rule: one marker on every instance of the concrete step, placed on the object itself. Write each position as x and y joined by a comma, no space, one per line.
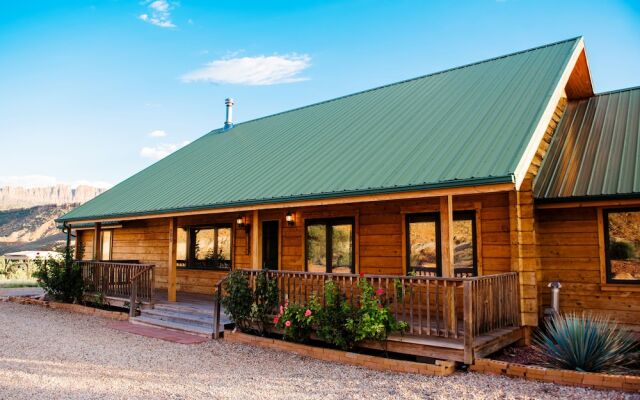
181,317
183,327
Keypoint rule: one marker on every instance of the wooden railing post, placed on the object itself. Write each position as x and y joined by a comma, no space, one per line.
134,298
468,317
216,314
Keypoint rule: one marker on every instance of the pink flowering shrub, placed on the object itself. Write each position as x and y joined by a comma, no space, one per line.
296,322
337,321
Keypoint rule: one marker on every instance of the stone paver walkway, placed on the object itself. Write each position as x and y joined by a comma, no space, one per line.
158,333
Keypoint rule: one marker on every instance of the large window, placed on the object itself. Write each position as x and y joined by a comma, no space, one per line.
622,238
465,245
329,245
204,247
424,244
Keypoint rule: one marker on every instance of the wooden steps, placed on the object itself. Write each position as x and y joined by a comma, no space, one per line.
180,317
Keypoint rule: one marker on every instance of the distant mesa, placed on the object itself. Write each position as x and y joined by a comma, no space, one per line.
14,197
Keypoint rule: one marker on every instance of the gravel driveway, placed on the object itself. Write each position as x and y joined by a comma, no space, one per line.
48,354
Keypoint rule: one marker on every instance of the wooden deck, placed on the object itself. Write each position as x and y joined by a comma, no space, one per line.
448,349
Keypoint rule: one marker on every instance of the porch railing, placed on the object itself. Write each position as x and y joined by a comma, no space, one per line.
122,280
459,309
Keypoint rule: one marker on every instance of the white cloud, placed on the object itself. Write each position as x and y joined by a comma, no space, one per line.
260,70
33,181
162,150
157,134
159,14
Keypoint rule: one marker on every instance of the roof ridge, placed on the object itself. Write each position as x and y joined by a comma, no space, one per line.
220,130
617,91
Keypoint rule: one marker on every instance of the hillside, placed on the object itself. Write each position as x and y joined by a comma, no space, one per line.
27,215
31,228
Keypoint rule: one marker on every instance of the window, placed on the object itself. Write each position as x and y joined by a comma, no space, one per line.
204,247
622,238
424,244
105,241
464,242
329,245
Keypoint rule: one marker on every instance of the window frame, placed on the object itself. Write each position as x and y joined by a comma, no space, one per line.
607,260
435,217
328,223
190,254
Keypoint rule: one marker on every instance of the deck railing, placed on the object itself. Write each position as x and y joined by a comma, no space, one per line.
122,280
454,308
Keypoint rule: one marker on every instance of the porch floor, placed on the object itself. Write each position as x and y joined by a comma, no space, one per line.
200,302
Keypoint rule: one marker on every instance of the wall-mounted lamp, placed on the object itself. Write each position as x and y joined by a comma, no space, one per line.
243,222
290,218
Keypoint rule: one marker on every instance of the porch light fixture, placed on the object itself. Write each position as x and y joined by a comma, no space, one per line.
290,218
243,222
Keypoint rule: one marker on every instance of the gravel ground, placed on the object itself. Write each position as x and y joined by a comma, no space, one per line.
52,354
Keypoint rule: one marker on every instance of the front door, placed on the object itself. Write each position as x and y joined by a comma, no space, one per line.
270,244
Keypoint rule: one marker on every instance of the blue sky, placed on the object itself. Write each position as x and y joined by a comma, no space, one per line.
95,91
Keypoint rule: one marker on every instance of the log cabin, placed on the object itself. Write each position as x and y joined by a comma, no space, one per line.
476,187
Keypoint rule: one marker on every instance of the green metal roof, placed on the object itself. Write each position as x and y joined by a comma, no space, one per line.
463,126
595,151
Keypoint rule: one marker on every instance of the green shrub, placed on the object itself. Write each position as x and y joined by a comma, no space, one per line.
250,309
585,343
238,299
332,318
373,320
621,249
60,278
265,301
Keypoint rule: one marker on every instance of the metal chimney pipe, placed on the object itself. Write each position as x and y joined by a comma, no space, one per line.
228,123
555,296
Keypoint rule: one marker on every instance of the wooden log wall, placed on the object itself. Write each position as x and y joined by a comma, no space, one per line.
379,237
569,247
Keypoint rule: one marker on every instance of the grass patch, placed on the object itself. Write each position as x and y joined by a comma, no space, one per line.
17,283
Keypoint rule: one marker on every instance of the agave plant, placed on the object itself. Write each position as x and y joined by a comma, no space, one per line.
586,342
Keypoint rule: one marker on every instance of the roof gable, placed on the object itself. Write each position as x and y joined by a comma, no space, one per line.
463,126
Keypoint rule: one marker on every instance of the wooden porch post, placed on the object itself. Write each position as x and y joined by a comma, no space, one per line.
447,250
446,235
171,262
97,242
255,240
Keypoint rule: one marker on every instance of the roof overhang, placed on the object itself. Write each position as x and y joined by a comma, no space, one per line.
621,200
80,226
467,187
